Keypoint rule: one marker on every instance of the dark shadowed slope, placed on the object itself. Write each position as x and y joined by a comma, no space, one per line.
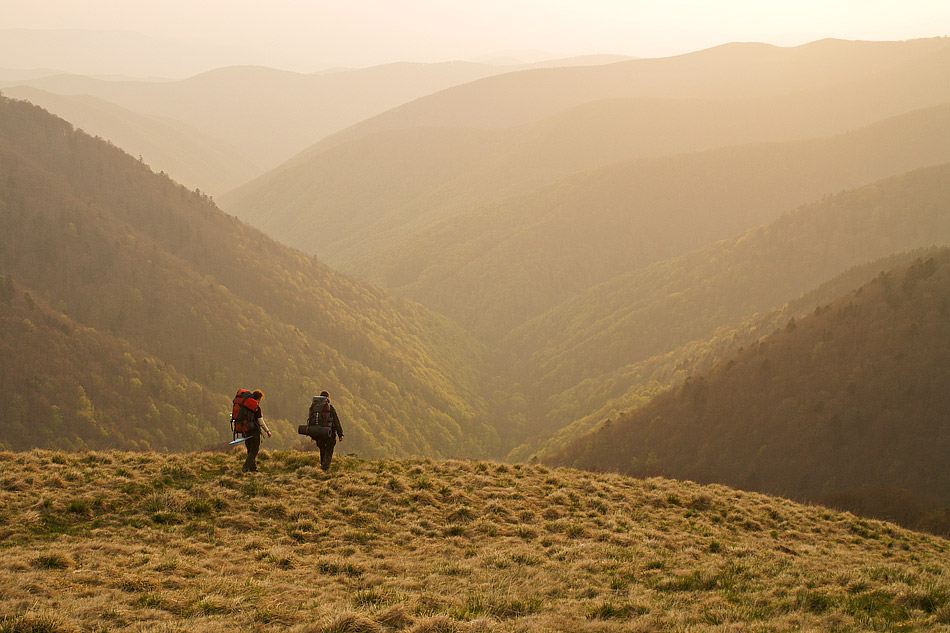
848,406
606,396
136,256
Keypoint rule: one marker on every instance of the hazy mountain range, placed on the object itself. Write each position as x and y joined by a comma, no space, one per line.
259,117
390,176
525,254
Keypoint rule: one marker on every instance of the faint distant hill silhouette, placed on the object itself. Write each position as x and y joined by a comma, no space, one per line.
189,156
730,71
267,114
395,174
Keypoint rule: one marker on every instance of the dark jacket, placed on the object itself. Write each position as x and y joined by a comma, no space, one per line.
334,421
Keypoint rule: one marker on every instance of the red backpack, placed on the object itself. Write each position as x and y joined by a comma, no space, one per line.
243,410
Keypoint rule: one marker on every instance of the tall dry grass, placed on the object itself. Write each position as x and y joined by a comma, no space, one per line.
148,542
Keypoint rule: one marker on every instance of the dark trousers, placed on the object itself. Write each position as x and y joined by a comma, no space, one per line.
253,445
326,451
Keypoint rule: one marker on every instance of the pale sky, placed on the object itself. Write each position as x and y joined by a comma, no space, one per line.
309,35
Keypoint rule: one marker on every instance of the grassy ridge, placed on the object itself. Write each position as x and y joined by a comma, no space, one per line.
142,541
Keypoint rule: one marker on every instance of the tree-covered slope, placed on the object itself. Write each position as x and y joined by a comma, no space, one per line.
495,267
130,253
72,387
848,406
653,310
603,397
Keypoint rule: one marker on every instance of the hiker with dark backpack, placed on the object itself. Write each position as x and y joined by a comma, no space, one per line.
247,420
323,425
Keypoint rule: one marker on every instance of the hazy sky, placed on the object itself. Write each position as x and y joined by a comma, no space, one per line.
308,35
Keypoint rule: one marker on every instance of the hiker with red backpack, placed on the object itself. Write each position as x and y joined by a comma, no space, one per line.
247,420
323,426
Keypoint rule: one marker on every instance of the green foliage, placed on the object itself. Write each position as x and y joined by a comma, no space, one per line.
152,307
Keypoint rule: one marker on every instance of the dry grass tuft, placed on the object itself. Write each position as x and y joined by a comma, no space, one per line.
350,623
146,542
30,623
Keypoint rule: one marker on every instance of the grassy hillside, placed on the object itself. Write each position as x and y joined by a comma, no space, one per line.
131,254
132,541
846,406
371,186
190,157
586,229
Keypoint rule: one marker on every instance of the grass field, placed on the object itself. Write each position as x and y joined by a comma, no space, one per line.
150,542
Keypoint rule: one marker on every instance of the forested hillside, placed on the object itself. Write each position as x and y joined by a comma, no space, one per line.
71,387
594,400
134,256
847,406
591,227
569,361
378,182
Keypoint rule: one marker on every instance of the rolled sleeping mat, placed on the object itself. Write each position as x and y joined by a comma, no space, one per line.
316,432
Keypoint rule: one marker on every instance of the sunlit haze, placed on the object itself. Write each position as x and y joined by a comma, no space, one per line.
189,37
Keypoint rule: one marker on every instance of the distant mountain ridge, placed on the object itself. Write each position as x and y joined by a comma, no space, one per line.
267,114
393,175
593,226
724,72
